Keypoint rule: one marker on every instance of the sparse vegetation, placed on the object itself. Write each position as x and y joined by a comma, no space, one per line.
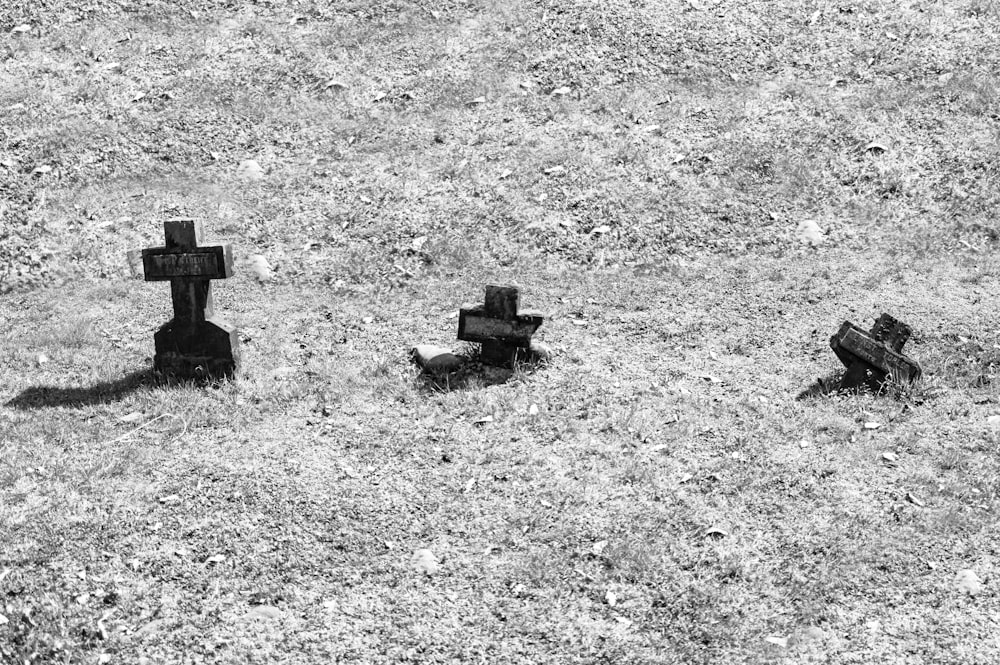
640,170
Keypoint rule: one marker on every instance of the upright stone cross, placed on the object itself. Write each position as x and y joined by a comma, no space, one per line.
505,334
872,356
194,344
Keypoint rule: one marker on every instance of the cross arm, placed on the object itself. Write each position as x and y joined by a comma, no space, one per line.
162,263
852,344
475,325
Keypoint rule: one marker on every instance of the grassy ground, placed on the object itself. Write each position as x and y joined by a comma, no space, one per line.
643,171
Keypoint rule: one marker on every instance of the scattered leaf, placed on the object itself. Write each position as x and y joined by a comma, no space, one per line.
810,233
349,471
872,425
3,620
424,561
336,84
603,228
686,477
598,547
260,268
966,581
476,101
216,558
559,92
777,641
483,420
170,499
914,499
41,169
533,410
41,359
21,29
611,598
555,170
994,421
249,169
715,532
504,174
264,612
133,417
889,456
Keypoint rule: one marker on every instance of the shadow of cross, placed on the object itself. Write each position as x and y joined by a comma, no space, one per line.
872,356
194,344
505,334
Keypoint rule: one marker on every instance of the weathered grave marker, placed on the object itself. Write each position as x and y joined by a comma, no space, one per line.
504,333
871,357
194,344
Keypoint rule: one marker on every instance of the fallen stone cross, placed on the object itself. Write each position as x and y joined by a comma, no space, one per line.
871,357
194,344
504,333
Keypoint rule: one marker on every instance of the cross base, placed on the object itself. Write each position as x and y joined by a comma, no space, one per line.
196,350
500,354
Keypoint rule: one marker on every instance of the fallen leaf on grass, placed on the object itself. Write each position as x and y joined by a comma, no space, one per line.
264,612
559,92
21,29
889,457
216,558
350,471
476,101
41,169
554,170
598,547
424,561
715,532
170,499
914,499
966,581
810,233
994,422
3,620
259,267
603,228
533,410
249,169
483,420
336,84
133,417
872,425
777,641
611,598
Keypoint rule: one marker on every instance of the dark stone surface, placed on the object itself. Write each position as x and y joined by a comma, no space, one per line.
873,356
498,327
194,344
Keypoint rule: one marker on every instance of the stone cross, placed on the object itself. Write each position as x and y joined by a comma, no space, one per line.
194,344
505,334
870,357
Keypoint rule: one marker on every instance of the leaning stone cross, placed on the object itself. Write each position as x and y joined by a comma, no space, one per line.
505,334
194,344
870,357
